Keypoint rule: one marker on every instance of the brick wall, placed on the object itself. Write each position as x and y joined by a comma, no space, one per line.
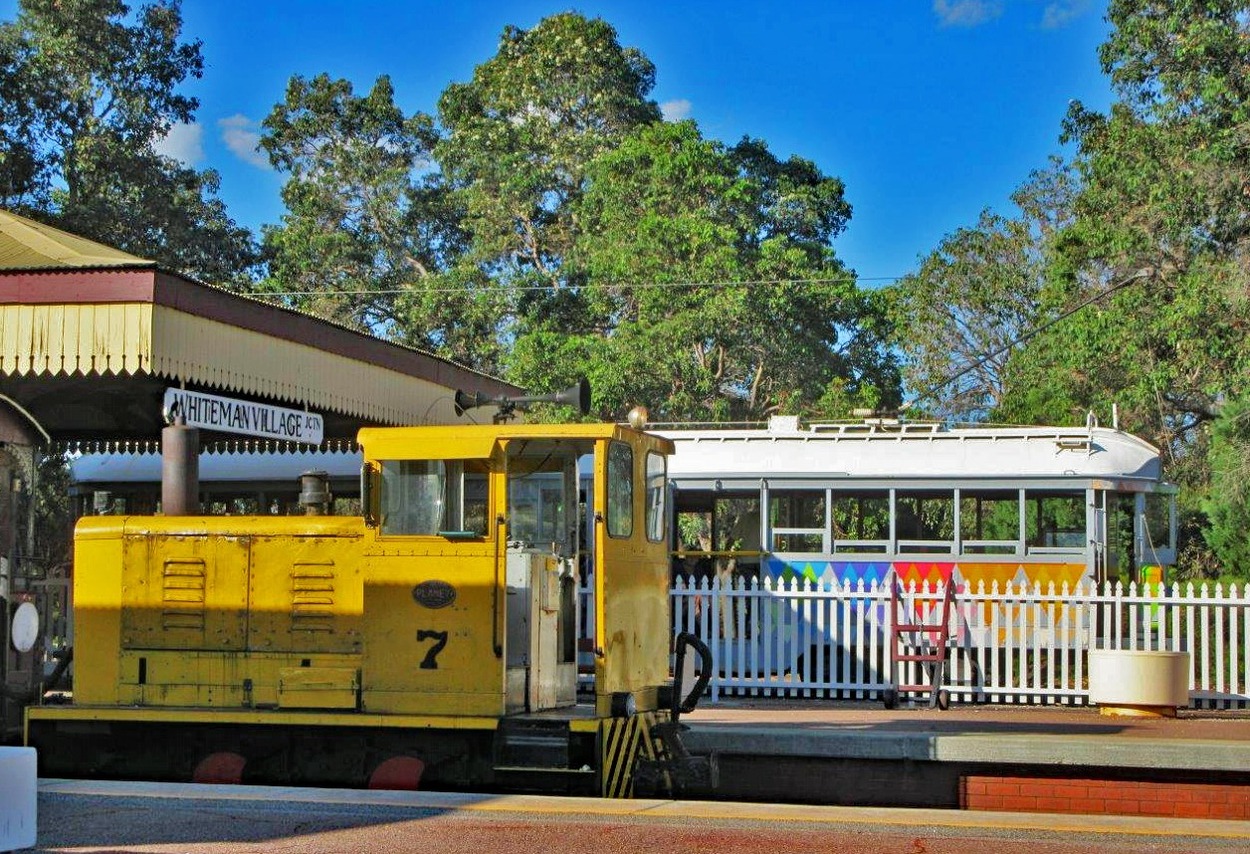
1110,797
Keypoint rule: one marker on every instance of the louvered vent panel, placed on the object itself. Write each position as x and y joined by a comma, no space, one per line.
312,597
182,598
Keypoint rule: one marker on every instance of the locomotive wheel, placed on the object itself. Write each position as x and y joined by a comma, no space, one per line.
890,698
223,767
399,773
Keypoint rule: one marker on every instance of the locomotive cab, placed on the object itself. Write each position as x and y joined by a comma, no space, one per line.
475,534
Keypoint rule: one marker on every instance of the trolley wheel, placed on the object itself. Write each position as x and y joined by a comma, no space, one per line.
944,700
890,698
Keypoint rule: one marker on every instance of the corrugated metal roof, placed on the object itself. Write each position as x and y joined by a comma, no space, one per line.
134,338
29,245
90,337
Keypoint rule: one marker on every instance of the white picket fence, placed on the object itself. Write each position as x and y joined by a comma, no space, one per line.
1021,644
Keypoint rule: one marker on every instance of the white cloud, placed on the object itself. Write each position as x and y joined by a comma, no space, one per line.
242,137
1059,13
184,143
676,110
966,13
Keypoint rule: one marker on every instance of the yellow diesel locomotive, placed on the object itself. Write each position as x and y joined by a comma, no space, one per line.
432,641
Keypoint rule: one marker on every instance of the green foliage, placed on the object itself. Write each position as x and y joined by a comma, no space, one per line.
1159,237
54,520
522,133
85,91
547,224
671,224
348,242
1228,502
1181,59
1162,200
976,299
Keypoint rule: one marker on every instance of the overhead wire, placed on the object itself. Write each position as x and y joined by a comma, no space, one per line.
850,277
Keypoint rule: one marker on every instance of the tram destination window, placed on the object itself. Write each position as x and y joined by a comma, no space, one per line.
433,497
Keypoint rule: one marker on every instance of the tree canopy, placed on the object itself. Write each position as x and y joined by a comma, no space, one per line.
708,275
548,225
1140,298
542,221
86,91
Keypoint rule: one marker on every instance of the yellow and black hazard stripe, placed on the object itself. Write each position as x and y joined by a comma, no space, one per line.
622,741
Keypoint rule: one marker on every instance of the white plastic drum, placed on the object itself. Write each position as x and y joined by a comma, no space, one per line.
25,627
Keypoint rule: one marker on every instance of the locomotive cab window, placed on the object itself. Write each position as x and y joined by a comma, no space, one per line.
434,497
542,490
657,495
620,490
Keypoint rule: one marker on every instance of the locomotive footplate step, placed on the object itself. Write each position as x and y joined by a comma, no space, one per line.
522,744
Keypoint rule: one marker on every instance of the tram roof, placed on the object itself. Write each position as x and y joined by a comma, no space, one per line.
784,450
95,470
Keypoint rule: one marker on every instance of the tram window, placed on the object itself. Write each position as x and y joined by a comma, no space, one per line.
1121,556
657,493
989,521
804,509
620,490
861,521
1055,520
426,497
736,528
719,531
925,521
797,520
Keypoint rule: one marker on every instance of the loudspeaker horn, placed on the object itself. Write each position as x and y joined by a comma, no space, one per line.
577,395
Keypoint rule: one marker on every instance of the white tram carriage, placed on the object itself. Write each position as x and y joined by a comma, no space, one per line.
851,510
977,505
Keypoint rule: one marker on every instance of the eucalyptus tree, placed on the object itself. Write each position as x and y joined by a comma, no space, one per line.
522,133
1159,239
343,246
976,300
548,224
87,90
705,286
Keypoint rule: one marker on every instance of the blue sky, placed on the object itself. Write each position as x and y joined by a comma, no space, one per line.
929,110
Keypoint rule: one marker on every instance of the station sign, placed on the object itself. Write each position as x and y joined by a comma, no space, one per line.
243,416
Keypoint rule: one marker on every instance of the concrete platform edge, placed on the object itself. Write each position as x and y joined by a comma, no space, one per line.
659,809
1030,749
